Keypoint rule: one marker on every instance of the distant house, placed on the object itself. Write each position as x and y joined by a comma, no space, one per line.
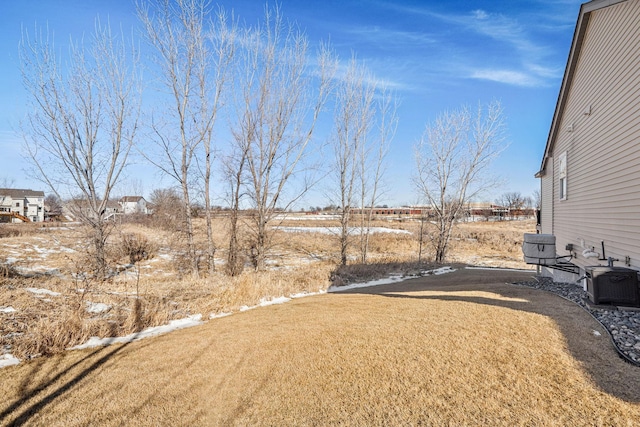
79,209
590,172
20,205
113,208
133,204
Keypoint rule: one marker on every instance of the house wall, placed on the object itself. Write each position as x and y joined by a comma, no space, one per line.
6,203
30,206
142,206
34,208
600,132
128,207
135,207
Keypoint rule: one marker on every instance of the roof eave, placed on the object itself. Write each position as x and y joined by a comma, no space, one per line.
572,60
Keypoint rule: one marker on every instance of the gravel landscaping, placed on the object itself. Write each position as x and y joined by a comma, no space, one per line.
623,324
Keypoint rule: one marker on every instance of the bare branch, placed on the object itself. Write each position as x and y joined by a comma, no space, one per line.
452,159
83,119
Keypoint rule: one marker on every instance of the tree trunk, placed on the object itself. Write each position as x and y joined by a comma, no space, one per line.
260,247
344,236
99,241
188,231
211,247
234,266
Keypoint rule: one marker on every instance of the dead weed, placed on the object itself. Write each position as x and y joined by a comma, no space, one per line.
156,290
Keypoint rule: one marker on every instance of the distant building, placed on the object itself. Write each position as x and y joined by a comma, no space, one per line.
20,205
77,209
133,205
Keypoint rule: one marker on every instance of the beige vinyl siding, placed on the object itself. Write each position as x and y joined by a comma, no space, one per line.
546,189
603,151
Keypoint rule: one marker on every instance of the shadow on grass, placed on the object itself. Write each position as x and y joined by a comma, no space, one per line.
35,398
599,360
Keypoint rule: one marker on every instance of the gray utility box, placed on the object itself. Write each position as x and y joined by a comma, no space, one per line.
613,285
539,249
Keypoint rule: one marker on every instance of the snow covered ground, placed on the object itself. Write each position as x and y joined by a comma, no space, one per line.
174,325
42,292
336,230
8,360
97,307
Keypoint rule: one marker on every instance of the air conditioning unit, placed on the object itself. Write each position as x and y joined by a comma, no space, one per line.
613,285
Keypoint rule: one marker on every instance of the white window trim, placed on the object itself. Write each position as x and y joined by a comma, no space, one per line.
562,176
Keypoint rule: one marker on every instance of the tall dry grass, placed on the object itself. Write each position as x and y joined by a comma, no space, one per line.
149,285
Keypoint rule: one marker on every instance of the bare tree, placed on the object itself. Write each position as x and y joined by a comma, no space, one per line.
372,163
234,166
422,230
352,121
193,53
82,121
53,205
130,187
6,182
452,159
211,98
364,125
537,199
166,207
277,110
514,201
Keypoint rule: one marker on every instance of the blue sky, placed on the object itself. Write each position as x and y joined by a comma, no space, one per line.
437,55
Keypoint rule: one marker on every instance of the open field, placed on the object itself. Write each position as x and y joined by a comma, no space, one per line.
458,349
47,304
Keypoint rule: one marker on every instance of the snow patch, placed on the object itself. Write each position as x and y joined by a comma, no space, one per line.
336,230
219,315
97,307
7,310
394,278
8,360
280,300
306,294
174,325
39,291
269,301
438,271
264,302
391,279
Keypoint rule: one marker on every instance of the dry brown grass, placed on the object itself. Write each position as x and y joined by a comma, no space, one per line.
458,349
56,257
492,244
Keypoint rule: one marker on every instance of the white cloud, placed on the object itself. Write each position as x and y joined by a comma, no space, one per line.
372,66
513,40
480,14
546,72
385,36
516,78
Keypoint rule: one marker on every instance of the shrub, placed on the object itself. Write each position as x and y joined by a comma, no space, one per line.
137,247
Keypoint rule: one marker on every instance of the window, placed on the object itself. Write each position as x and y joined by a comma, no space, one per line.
562,175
